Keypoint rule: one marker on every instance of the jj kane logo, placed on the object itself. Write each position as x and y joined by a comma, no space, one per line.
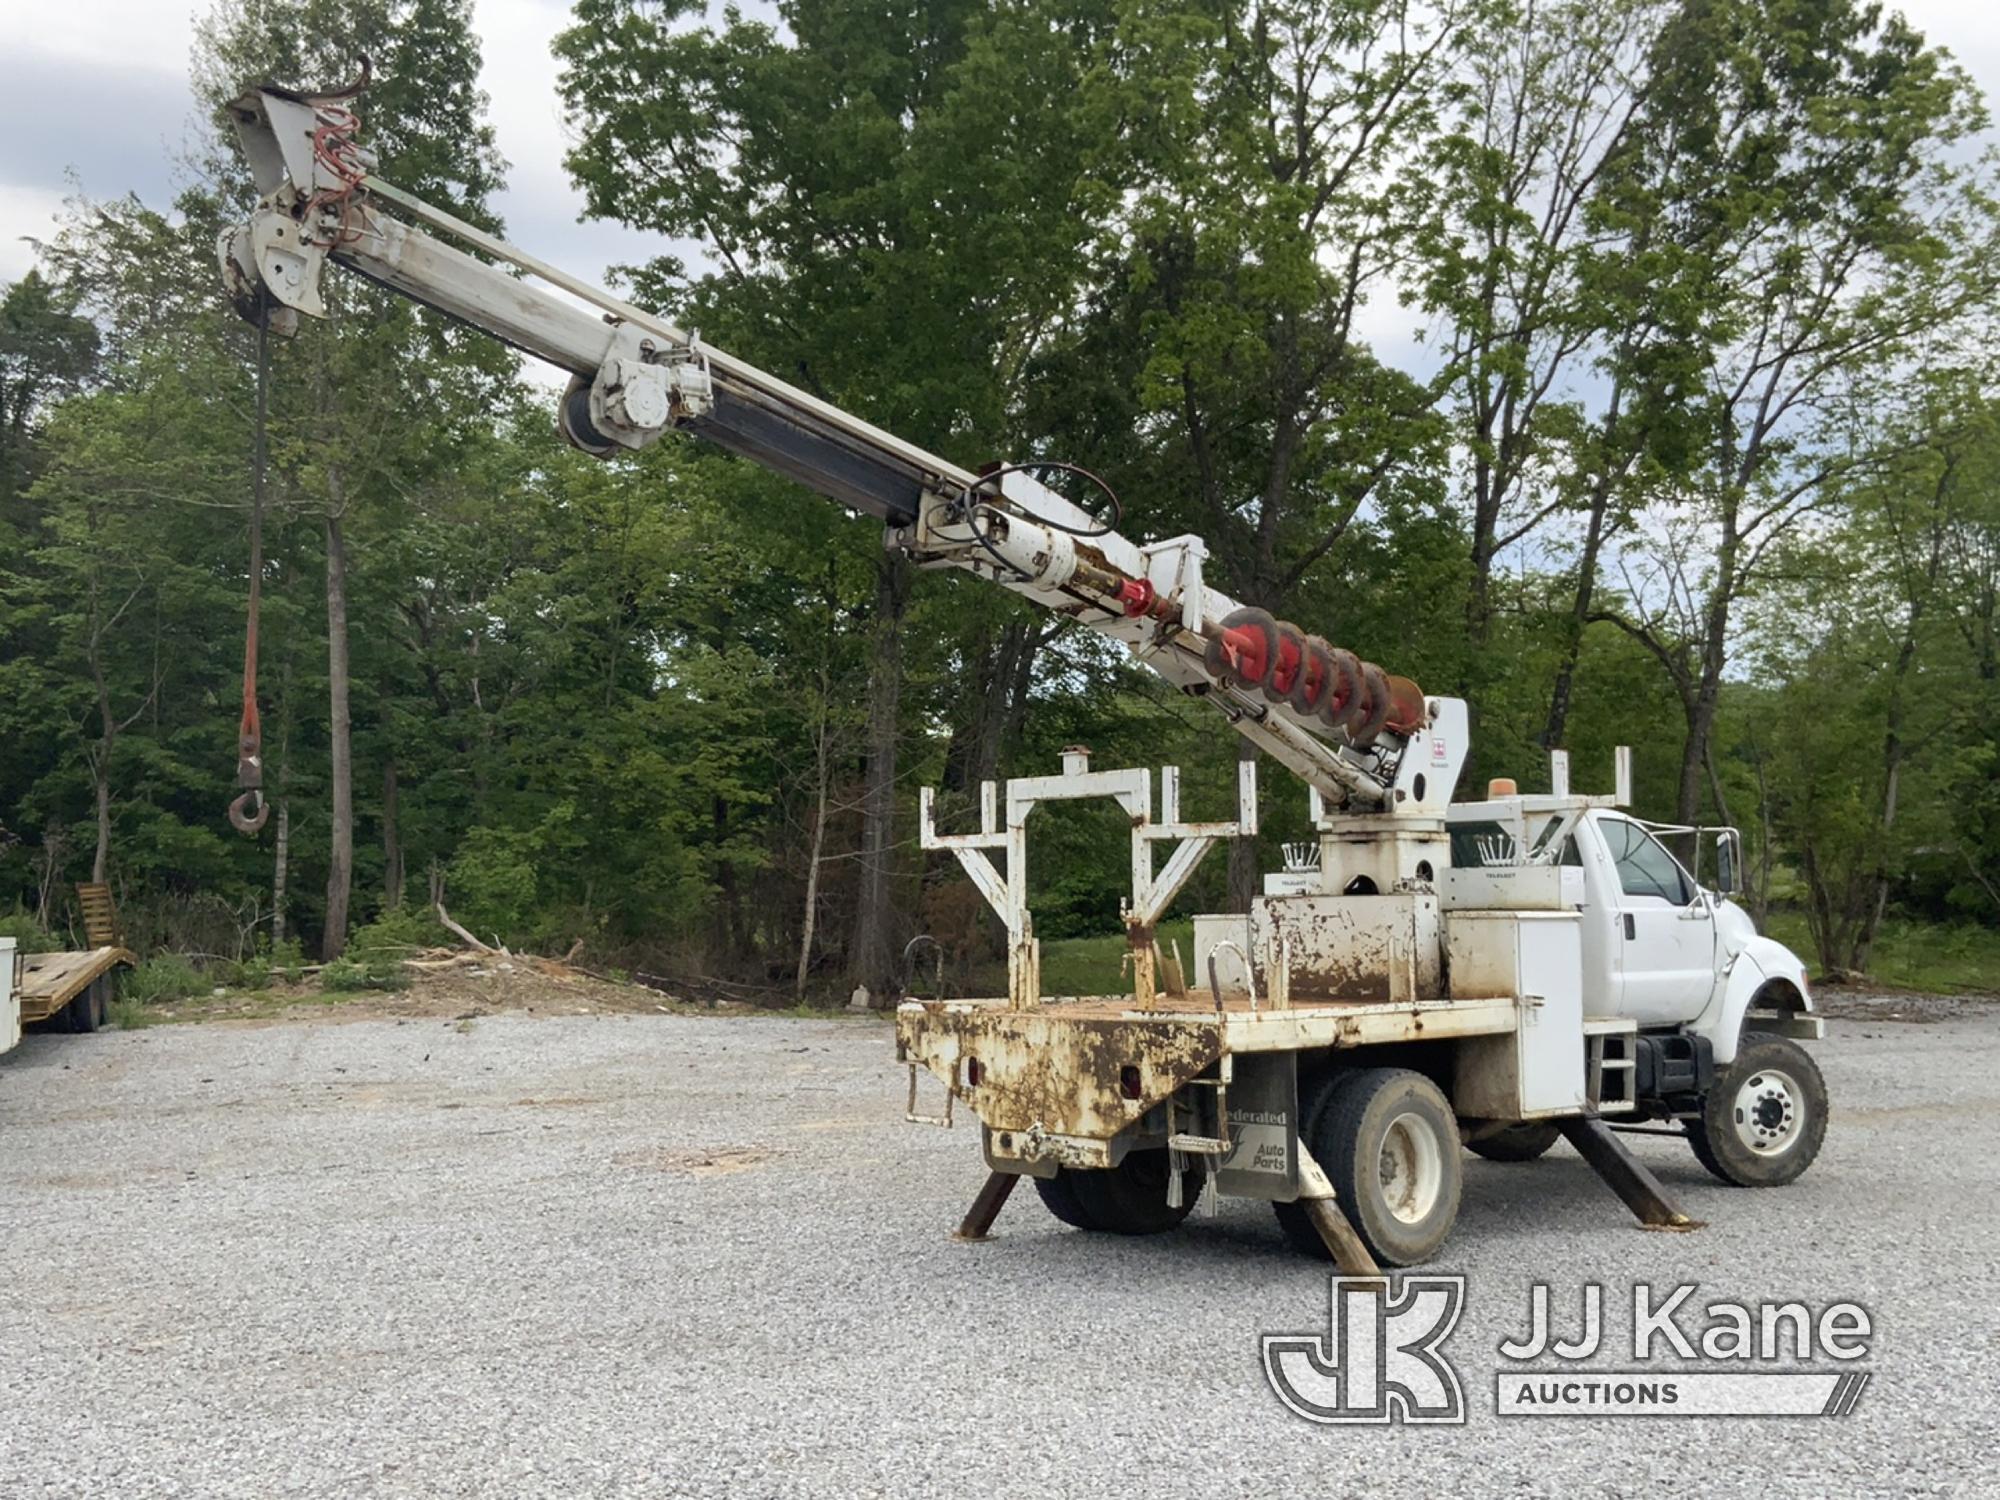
1381,1358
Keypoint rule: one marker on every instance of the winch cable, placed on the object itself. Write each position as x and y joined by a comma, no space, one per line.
248,812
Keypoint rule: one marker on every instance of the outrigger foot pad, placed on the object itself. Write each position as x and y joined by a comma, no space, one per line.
1350,1256
1350,1253
978,1221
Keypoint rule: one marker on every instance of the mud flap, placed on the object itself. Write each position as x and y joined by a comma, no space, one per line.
1263,1160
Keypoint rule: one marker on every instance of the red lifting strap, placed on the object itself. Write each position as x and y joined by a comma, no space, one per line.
248,812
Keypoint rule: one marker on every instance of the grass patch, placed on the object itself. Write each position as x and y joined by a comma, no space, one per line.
165,976
1938,958
1079,966
807,1011
128,1014
397,935
369,971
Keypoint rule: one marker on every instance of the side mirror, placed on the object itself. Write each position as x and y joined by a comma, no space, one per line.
1728,861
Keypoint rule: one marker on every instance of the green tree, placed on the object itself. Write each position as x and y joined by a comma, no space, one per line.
377,376
1793,213
1538,351
865,238
47,350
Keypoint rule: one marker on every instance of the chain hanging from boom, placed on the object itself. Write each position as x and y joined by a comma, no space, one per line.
248,812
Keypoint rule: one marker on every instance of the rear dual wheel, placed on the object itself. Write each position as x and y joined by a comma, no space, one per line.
1388,1141
1130,1198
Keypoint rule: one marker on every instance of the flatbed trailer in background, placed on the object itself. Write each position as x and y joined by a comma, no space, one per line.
73,989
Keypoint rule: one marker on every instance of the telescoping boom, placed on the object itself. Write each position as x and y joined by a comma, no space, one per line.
1340,723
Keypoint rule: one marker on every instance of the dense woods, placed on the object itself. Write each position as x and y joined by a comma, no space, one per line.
1698,451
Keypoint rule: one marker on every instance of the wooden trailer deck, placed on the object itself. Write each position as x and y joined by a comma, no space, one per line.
49,981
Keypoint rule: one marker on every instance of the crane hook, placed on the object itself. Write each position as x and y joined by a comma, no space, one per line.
250,769
249,822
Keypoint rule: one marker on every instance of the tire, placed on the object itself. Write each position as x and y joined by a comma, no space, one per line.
1130,1198
86,1011
1388,1141
1524,1142
1292,1217
1058,1195
1764,1119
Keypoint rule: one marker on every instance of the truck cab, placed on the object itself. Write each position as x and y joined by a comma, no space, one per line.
1659,947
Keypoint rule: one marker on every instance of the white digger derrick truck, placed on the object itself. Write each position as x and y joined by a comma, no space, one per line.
1423,975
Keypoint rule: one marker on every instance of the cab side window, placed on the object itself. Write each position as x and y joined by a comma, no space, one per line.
1569,854
1475,846
1644,866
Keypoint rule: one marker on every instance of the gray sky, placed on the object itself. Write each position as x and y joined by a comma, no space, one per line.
129,59
125,63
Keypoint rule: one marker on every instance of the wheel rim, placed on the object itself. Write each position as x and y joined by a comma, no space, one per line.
1412,1169
1770,1112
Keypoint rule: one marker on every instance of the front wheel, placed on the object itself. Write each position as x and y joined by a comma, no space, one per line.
1764,1118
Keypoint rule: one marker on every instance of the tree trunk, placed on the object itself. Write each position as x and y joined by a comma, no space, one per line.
730,940
871,954
1557,724
100,864
48,872
1757,891
340,850
281,776
822,788
1008,742
1707,696
392,844
1893,751
822,773
1918,592
280,863
1871,924
1001,671
1478,598
106,737
1694,750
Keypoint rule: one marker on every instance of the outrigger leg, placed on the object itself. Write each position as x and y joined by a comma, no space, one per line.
1627,1176
978,1221
1342,1243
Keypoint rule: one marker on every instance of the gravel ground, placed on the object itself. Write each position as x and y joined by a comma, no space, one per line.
639,1255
